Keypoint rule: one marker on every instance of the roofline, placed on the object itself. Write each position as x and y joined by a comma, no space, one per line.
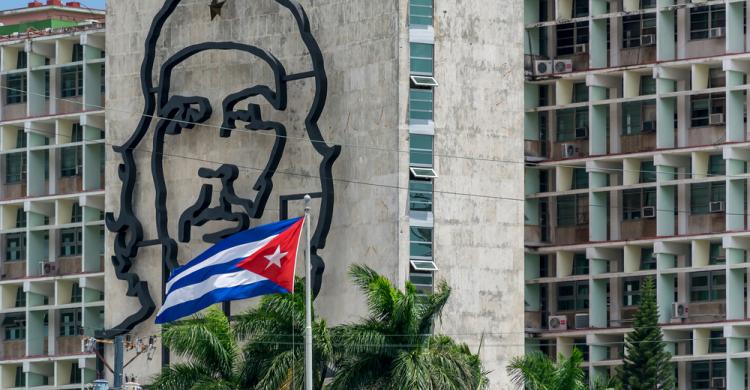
82,10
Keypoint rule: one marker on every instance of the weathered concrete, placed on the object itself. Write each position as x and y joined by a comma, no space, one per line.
479,241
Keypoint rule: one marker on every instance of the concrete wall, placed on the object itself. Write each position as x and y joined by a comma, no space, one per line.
365,45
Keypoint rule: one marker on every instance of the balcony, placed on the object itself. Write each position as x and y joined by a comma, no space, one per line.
633,229
14,270
68,345
706,223
13,349
633,143
570,149
535,150
14,191
569,235
70,184
533,320
69,265
701,312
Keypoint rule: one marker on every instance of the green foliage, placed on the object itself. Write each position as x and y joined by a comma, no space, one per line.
262,350
646,364
536,371
393,347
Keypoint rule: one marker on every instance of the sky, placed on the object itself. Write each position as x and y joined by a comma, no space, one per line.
11,4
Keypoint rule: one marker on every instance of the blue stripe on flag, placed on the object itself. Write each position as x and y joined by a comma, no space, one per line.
252,235
205,273
219,295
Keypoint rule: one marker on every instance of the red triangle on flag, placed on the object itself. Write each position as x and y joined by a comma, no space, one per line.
276,261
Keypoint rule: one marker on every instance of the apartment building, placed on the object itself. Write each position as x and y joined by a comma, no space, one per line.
52,194
636,143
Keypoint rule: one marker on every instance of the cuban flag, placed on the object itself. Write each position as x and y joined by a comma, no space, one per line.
255,262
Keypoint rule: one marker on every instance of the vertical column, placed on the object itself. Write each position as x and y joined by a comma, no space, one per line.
598,206
664,284
735,35
665,201
735,196
597,294
598,351
598,118
665,27
665,111
736,367
735,107
598,43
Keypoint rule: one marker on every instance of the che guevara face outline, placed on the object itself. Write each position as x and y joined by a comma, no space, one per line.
172,114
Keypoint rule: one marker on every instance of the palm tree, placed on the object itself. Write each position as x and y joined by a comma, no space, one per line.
262,349
536,371
393,348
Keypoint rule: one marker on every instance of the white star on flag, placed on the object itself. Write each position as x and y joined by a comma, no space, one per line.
275,258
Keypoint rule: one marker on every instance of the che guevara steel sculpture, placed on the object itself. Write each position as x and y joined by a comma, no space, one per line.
172,114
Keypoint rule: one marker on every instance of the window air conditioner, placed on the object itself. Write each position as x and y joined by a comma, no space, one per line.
679,310
582,321
716,119
582,132
569,150
580,48
648,212
648,127
716,32
716,207
557,323
718,382
49,268
563,66
648,40
542,67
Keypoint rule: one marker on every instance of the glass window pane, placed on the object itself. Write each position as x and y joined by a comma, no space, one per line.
420,104
420,12
420,149
421,58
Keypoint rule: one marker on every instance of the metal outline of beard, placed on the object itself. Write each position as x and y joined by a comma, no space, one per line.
178,113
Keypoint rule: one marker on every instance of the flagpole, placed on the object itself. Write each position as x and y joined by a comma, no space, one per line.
308,302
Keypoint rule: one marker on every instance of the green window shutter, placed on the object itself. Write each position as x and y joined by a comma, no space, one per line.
632,122
420,150
420,12
420,195
420,104
716,165
420,241
699,198
421,57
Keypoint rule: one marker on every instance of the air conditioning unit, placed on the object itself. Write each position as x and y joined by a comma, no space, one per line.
570,150
582,321
648,40
563,66
716,32
580,48
679,310
716,207
582,132
49,268
716,119
557,323
648,127
648,212
718,382
542,67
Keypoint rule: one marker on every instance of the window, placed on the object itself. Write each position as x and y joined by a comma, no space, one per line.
15,247
70,242
15,328
648,85
69,322
420,104
15,168
648,260
707,286
20,297
702,106
76,293
639,117
420,241
71,161
702,194
572,210
580,93
716,78
20,218
421,58
717,343
634,27
703,19
631,292
571,34
17,86
420,195
716,165
420,150
21,60
716,254
633,202
76,134
20,379
580,179
573,296
646,4
701,373
580,264
648,172
420,12
570,119
75,373
580,8
71,81
422,281
20,139
76,213
77,53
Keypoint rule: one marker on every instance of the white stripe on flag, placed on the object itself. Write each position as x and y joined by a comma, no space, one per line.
225,256
195,291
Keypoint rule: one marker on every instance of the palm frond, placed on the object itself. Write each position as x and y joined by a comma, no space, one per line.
181,377
533,371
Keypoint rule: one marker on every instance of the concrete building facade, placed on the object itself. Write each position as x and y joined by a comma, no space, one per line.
52,193
636,139
421,101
